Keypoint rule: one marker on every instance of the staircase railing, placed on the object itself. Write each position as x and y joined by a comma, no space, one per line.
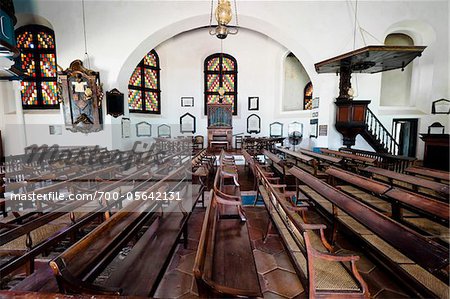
377,129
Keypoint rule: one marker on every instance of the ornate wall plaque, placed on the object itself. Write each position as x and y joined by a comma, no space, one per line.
81,94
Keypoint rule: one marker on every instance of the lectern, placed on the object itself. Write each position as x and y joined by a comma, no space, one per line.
220,125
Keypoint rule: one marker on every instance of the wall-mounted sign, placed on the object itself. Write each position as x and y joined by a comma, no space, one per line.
323,130
315,103
7,29
313,128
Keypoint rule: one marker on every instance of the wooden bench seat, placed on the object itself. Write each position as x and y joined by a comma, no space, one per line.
279,165
224,263
415,183
418,203
405,251
350,159
327,160
323,272
154,248
75,271
428,173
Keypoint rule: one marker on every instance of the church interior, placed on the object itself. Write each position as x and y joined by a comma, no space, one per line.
224,149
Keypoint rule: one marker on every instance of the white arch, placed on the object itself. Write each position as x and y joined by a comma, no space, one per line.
198,21
421,32
32,19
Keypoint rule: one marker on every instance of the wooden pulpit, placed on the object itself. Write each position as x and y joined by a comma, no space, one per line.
220,125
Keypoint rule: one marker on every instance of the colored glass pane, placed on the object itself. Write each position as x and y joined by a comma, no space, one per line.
212,82
227,64
45,40
151,78
213,98
309,90
228,82
48,65
308,104
25,40
135,79
28,64
134,99
29,93
49,93
213,64
150,59
151,101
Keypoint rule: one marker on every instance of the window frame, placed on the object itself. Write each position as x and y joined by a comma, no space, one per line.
34,29
142,89
221,72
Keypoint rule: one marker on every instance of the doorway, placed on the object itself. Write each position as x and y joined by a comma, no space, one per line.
405,133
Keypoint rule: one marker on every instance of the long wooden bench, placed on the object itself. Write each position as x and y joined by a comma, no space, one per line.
322,271
433,174
421,204
305,162
421,262
278,164
224,264
351,159
392,162
417,184
76,268
43,237
40,233
325,160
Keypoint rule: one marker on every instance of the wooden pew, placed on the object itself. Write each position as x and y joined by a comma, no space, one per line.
422,262
76,268
226,187
280,165
351,159
437,175
224,264
386,161
398,197
307,163
324,159
51,237
202,167
417,184
310,252
41,231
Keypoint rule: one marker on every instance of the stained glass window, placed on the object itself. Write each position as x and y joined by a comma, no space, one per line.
144,94
38,63
221,71
308,97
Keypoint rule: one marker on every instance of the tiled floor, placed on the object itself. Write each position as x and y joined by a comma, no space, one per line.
276,273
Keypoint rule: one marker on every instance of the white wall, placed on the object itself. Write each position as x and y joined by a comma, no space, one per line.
260,73
119,34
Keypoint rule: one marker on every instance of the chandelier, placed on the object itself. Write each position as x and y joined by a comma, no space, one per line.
223,15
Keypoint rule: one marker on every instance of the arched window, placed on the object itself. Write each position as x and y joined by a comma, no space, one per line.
221,71
295,80
308,96
144,93
38,63
396,84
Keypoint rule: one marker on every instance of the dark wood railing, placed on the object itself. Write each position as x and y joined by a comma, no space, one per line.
386,161
381,134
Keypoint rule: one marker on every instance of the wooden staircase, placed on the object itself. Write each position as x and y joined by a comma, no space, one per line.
378,136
